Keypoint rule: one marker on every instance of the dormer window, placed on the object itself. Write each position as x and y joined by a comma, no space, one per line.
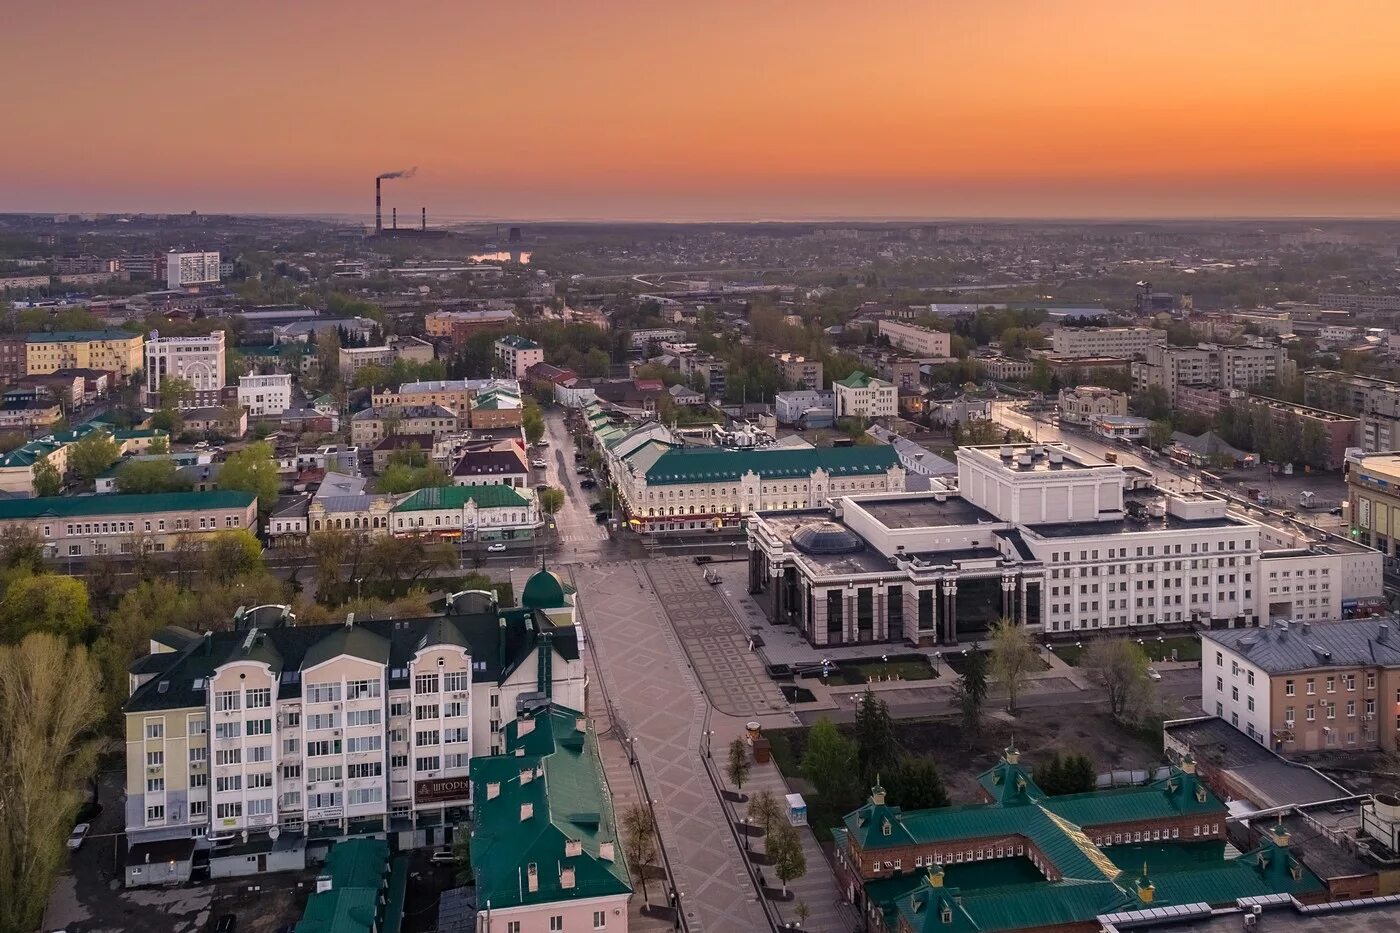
527,811
946,914
573,848
886,828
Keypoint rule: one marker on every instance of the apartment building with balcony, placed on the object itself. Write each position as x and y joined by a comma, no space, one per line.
198,361
518,354
115,351
798,370
920,341
275,737
1375,402
1105,341
1303,687
1208,364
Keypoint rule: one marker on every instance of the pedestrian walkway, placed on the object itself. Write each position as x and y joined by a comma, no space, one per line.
661,713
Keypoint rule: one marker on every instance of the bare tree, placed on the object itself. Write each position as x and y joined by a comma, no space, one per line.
639,842
737,770
49,703
1121,666
763,811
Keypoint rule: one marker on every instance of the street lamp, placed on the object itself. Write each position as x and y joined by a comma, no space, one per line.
358,581
632,750
709,736
745,822
937,660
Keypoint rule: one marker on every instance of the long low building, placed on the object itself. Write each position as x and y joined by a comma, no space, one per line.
1058,540
276,735
84,526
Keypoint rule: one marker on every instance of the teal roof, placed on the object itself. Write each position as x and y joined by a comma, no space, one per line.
77,336
545,791
544,590
81,506
675,465
490,496
360,873
518,342
856,380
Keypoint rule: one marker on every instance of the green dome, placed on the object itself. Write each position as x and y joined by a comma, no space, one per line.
544,590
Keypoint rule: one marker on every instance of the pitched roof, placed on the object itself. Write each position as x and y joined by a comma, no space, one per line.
361,873
491,496
720,464
518,342
74,507
548,792
1349,643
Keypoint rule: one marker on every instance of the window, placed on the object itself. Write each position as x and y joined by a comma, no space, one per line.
513,926
155,759
155,814
317,721
1288,688
226,700
398,708
1312,687
260,807
260,727
363,795
362,717
429,737
556,923
365,770
426,712
456,681
198,808
361,689
364,743
262,779
428,763
155,785
258,698
600,919
398,761
155,729
291,746
291,772
225,784
227,811
322,693
425,683
199,755
228,756
316,749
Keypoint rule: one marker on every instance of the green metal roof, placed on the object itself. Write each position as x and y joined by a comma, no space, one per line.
528,823
490,496
360,872
856,380
82,506
518,342
78,336
678,465
545,590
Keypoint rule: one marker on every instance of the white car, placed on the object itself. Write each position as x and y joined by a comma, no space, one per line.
538,464
442,855
76,837
495,548
1152,674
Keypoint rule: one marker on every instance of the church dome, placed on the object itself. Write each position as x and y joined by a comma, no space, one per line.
544,590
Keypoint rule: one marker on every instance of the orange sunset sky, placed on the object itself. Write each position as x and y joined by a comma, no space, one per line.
704,110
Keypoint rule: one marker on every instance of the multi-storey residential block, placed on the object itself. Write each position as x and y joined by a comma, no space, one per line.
265,395
113,350
542,867
518,354
13,358
372,425
186,269
1360,304
290,733
1375,402
1105,341
1301,687
920,341
1004,368
798,370
861,396
1022,860
642,338
458,326
198,361
354,359
1056,539
708,373
1334,433
1211,365
1081,404
499,407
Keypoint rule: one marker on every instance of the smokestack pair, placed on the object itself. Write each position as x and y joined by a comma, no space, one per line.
378,200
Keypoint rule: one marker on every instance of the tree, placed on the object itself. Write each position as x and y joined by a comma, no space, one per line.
639,842
971,692
462,858
45,602
1314,446
174,392
399,478
21,548
138,476
876,749
737,770
1159,434
1014,657
409,557
828,763
784,848
763,811
49,704
329,551
47,481
916,784
532,421
160,445
253,469
90,456
551,500
1071,774
232,554
1120,665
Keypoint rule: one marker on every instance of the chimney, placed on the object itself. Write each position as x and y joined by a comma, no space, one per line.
532,878
394,217
1383,634
527,811
425,219
378,215
493,790
605,851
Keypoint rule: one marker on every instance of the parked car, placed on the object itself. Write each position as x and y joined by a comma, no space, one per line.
538,463
588,484
703,558
442,855
1152,674
495,548
601,518
76,837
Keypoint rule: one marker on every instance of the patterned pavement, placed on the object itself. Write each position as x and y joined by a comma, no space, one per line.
661,706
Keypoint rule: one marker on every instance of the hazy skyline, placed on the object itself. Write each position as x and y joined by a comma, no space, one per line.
614,109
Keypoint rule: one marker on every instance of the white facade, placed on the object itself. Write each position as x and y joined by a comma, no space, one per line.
1105,341
265,395
185,269
1236,690
866,398
920,341
197,360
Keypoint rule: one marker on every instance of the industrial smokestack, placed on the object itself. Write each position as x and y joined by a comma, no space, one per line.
394,216
378,200
425,219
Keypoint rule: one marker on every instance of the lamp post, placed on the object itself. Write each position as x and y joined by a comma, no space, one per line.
885,662
745,822
709,737
632,750
358,581
937,662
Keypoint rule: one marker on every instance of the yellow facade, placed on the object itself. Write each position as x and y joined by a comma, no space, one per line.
113,351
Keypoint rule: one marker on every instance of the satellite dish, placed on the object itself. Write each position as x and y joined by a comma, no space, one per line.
244,834
273,833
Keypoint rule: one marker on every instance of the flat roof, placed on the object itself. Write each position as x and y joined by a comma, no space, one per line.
925,512
1129,526
1343,920
1072,459
1272,781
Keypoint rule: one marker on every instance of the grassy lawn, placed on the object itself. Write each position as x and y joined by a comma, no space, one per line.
1188,648
899,667
954,661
